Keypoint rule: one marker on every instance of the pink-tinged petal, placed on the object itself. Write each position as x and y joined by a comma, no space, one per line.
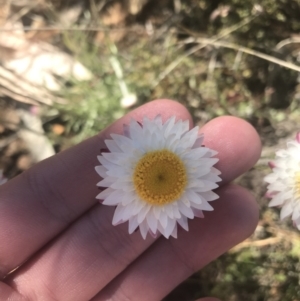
198,213
298,137
270,194
126,130
154,235
271,164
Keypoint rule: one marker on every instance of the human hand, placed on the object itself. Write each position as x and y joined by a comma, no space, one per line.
52,226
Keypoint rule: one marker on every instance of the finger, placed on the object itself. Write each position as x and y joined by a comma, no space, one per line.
40,203
81,262
8,294
168,262
235,138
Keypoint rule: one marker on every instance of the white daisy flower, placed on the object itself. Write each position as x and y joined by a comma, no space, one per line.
284,181
2,178
158,175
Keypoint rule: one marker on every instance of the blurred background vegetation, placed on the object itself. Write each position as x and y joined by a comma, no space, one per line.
217,58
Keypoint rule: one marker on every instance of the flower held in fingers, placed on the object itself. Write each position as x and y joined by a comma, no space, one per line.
284,181
158,175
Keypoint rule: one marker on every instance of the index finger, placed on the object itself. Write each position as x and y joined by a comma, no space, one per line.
43,201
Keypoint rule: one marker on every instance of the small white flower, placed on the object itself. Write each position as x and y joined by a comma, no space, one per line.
157,175
2,178
284,181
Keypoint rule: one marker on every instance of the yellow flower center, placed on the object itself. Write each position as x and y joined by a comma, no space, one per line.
160,177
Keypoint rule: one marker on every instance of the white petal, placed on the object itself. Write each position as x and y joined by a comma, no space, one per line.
108,165
127,197
174,233
138,206
156,211
212,177
112,146
142,214
215,171
286,210
118,215
133,224
106,182
176,211
124,143
101,170
169,228
297,222
188,212
113,199
271,178
199,141
183,223
158,120
152,222
206,186
144,229
209,195
105,193
168,126
193,196
127,212
163,219
277,200
203,206
296,214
